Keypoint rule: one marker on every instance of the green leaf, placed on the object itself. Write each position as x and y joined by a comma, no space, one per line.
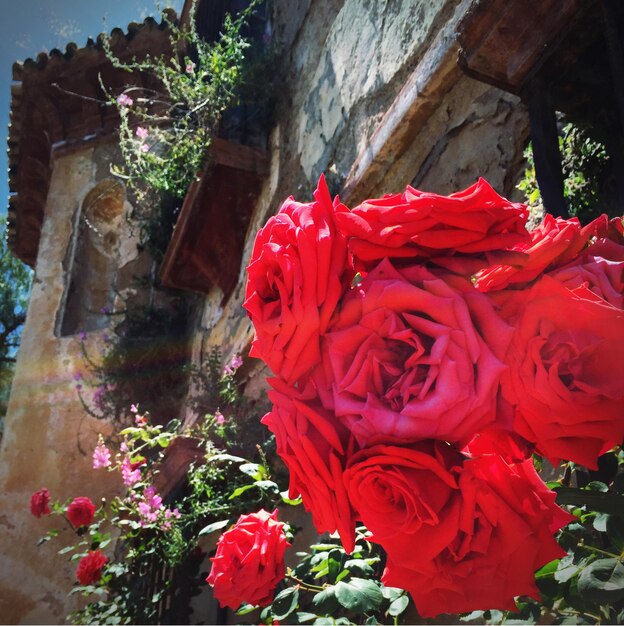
398,606
135,432
391,593
602,581
240,491
254,470
567,568
245,608
325,601
359,567
600,522
359,595
303,618
206,530
285,603
548,570
267,485
287,500
341,575
596,485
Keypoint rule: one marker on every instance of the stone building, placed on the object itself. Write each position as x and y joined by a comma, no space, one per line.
369,91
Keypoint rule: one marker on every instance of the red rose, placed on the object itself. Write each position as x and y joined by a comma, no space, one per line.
600,267
553,243
602,277
417,223
408,358
90,567
294,283
80,512
313,445
565,372
39,502
504,532
249,562
401,493
509,445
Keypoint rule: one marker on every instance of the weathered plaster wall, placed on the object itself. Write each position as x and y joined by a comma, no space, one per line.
48,438
351,67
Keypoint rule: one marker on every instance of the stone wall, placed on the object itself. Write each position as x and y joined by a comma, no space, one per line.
48,438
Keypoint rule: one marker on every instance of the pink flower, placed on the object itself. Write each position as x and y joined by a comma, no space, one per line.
235,362
101,456
124,100
129,474
219,418
134,408
141,132
190,67
144,147
152,498
140,420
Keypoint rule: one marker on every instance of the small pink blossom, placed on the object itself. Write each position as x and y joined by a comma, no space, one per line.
140,420
152,498
190,67
130,476
124,446
124,100
134,408
147,513
141,132
219,418
235,362
144,147
101,456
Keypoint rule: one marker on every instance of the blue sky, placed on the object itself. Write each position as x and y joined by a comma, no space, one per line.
32,26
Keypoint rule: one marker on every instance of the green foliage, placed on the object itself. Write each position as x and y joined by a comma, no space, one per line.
586,179
329,586
15,280
165,131
218,487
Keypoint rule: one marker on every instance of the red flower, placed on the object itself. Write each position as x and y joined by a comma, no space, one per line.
249,562
421,224
295,281
496,532
408,358
407,496
313,445
553,243
90,567
565,372
80,512
599,268
39,502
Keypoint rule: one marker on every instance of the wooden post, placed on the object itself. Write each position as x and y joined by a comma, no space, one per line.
546,155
